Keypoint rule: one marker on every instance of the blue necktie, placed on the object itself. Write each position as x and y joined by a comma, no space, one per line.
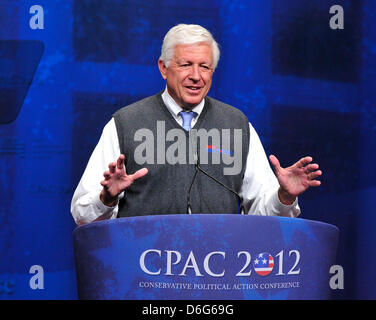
187,119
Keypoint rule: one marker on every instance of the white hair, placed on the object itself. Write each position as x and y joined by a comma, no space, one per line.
187,34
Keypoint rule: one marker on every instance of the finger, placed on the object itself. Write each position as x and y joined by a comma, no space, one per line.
314,175
275,162
104,183
120,162
139,174
304,161
314,183
311,167
106,174
112,167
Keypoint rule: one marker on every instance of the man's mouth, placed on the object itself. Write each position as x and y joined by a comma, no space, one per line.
193,88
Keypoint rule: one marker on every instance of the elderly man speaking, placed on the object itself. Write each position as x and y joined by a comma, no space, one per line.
146,161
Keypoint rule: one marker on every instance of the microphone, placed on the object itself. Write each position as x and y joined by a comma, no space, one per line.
189,209
240,199
193,139
193,143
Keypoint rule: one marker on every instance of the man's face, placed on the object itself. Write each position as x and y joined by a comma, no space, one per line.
189,74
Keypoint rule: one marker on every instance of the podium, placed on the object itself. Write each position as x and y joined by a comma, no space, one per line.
204,257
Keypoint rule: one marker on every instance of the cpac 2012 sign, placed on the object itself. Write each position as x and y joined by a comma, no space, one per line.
175,264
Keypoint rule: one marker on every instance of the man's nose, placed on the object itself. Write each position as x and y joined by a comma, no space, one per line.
195,74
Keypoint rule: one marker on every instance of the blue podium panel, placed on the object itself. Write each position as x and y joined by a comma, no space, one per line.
205,256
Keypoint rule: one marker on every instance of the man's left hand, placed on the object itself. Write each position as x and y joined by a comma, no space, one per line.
296,179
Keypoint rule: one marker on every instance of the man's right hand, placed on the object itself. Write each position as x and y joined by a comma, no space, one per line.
116,181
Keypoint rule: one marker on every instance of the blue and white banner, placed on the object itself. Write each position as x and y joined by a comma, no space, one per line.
205,256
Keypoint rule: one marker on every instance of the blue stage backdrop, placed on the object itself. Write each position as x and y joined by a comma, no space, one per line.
306,88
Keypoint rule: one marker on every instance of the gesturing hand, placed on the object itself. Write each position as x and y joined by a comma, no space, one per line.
116,181
296,179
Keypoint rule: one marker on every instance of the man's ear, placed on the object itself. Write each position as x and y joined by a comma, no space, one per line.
162,69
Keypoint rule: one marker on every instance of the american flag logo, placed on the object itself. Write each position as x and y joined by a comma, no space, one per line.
263,264
215,149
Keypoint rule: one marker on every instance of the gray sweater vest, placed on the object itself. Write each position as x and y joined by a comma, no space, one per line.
149,137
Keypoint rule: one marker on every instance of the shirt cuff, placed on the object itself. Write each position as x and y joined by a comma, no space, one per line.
284,210
106,211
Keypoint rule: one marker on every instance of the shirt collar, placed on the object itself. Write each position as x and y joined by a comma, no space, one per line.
174,108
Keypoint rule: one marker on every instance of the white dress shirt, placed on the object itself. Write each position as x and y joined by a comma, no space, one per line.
259,189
